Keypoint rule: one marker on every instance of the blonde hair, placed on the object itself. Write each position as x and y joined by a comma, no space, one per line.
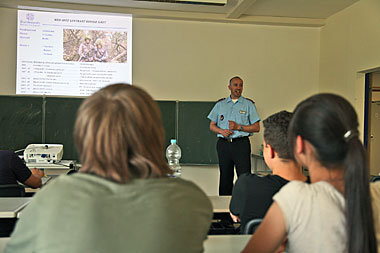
119,134
99,42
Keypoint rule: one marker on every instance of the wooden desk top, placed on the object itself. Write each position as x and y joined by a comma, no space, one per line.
9,207
220,204
225,243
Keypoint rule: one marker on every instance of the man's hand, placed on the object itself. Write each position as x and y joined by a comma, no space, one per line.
233,125
216,129
34,180
235,218
226,132
37,172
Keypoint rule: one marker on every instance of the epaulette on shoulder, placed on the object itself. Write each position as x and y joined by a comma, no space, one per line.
220,100
250,100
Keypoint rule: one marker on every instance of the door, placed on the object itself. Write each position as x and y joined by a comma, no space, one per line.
374,140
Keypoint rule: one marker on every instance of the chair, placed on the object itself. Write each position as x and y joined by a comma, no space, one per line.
222,224
12,190
71,172
251,226
375,178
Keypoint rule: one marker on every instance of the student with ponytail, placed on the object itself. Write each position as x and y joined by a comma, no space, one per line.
333,214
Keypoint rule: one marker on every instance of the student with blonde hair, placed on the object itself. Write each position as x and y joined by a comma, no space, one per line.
333,214
122,199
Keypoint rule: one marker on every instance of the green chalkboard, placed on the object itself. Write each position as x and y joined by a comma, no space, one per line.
60,120
20,122
59,126
197,142
168,116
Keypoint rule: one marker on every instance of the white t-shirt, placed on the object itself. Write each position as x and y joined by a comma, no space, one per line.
314,217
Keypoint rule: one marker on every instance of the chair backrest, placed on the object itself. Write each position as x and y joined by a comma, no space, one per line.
12,190
375,178
251,226
71,172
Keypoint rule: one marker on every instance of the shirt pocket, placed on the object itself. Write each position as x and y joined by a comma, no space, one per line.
243,117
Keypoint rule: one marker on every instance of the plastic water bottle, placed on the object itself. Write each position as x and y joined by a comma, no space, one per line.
173,154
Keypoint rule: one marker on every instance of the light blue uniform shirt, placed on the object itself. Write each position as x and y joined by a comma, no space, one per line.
242,112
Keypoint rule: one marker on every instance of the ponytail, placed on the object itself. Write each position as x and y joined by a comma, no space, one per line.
329,123
360,227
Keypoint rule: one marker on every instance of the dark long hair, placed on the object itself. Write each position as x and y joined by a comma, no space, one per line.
329,123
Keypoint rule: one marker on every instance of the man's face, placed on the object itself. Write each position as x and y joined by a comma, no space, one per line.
87,41
236,88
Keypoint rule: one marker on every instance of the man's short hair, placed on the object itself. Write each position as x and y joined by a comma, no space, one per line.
276,133
235,77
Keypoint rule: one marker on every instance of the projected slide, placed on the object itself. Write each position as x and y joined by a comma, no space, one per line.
72,54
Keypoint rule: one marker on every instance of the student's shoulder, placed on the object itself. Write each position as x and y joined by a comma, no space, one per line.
249,178
295,187
184,188
6,153
276,180
184,184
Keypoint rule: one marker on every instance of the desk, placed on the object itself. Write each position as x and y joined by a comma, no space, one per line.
45,180
9,207
220,204
225,243
213,244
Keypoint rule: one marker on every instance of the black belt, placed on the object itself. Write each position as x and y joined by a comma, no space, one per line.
233,139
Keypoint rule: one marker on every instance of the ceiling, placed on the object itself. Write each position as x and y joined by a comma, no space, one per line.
273,12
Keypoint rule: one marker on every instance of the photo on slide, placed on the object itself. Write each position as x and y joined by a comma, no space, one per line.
94,46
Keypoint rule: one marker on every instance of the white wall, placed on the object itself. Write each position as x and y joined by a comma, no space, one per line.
350,43
193,61
8,31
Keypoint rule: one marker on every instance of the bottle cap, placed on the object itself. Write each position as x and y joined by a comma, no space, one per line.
173,141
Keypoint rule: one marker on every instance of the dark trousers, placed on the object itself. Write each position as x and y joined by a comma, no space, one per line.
236,153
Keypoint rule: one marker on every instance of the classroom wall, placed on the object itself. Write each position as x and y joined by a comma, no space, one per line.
349,44
193,61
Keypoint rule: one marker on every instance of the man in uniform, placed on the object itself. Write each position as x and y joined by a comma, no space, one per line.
233,119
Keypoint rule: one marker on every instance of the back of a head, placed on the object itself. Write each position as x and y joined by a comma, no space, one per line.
276,133
329,123
119,134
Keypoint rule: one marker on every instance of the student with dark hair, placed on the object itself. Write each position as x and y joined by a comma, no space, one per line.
252,194
333,214
122,199
14,170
